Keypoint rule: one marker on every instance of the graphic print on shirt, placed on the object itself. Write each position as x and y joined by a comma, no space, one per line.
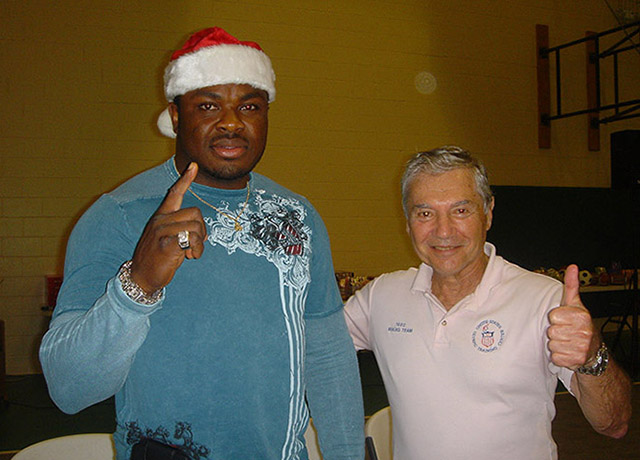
273,227
488,336
182,438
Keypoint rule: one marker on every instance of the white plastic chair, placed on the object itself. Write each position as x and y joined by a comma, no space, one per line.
379,427
311,439
99,446
90,446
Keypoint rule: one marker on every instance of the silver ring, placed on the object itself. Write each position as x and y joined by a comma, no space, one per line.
183,239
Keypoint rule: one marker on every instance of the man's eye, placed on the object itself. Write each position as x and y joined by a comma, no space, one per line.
207,106
250,107
423,215
461,211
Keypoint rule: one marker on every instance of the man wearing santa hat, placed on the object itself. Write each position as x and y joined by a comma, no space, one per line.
202,294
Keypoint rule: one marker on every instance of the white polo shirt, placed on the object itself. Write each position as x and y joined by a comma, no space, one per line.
475,382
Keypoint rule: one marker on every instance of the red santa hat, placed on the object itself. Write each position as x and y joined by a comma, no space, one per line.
213,57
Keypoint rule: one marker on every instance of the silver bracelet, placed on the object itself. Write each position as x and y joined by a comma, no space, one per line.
133,291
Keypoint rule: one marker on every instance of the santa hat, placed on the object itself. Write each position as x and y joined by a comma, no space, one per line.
213,57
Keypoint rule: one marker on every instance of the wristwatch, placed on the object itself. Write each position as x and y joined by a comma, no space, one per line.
600,364
133,291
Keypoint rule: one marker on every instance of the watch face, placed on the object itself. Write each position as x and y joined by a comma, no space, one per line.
597,368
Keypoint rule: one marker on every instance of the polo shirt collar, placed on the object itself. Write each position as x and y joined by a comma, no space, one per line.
490,278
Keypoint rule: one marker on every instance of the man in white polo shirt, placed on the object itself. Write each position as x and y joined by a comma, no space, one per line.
470,346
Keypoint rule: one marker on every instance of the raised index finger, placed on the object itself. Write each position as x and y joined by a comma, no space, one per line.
173,200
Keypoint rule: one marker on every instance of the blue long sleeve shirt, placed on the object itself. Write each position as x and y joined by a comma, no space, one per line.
224,365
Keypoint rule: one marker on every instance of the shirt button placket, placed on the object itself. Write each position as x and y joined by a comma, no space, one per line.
442,336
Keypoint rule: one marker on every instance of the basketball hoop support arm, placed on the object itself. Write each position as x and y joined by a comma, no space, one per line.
594,106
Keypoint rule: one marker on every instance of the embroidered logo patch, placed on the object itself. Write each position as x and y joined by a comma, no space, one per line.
488,336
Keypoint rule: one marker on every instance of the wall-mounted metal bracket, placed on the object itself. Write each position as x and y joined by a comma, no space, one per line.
594,108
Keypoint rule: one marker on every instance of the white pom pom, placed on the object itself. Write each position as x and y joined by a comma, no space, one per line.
165,125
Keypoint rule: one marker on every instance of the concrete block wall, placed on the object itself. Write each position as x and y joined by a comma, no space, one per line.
81,89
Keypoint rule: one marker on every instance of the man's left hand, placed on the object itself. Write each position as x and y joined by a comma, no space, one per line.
573,339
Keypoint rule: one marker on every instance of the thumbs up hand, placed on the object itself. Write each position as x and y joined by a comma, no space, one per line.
158,255
573,339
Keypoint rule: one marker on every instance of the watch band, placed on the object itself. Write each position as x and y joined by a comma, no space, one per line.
600,364
131,288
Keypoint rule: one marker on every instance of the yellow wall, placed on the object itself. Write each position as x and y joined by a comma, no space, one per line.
81,88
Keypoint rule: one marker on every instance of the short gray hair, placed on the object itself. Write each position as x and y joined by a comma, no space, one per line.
441,160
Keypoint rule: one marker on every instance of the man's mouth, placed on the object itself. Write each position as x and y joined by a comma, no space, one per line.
229,148
441,248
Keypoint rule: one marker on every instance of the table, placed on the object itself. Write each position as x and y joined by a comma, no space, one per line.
611,301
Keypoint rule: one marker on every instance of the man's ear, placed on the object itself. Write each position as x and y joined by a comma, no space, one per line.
174,113
490,213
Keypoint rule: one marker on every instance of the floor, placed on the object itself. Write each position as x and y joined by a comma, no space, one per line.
30,417
577,441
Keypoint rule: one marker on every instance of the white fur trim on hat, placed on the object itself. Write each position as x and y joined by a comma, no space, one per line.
219,65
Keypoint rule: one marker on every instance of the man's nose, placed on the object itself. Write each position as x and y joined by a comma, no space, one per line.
229,122
444,226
